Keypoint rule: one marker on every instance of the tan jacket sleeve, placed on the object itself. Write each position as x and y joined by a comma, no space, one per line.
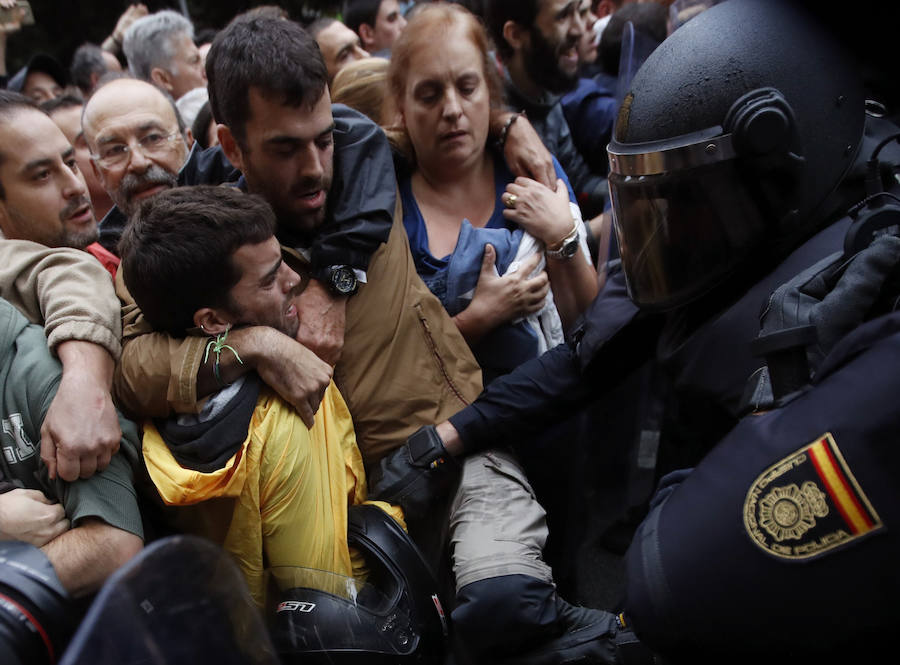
157,374
66,290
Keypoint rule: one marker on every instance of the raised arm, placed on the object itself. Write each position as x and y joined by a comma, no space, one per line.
113,43
7,28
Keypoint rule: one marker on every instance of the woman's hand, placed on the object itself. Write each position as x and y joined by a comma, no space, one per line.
545,214
500,299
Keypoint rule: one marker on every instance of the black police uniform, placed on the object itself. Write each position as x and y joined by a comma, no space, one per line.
778,546
739,148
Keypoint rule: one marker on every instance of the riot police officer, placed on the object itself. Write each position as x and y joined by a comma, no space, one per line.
742,148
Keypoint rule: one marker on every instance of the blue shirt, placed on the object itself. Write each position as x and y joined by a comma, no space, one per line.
453,278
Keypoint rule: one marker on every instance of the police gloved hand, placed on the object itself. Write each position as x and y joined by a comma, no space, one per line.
415,475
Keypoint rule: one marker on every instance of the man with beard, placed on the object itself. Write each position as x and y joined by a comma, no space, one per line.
44,196
132,129
537,41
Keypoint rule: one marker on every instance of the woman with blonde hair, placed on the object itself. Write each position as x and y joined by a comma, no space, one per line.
362,85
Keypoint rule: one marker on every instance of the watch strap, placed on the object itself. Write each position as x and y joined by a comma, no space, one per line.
565,248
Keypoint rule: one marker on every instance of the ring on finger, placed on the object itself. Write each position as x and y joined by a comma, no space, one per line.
511,200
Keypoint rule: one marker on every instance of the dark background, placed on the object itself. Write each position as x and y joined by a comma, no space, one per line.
870,28
62,25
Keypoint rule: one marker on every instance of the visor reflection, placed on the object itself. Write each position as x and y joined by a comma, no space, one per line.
679,234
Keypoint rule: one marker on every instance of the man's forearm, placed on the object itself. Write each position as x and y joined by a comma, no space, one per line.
519,404
87,359
80,431
85,556
249,346
498,119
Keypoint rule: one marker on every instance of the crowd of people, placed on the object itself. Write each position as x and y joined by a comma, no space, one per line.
281,284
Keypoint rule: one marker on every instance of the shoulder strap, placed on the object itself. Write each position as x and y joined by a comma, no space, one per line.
806,316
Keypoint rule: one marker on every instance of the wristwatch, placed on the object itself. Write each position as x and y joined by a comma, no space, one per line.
566,248
341,280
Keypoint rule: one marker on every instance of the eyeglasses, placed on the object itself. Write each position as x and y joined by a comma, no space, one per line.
154,144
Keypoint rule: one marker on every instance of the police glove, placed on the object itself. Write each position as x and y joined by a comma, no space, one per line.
415,475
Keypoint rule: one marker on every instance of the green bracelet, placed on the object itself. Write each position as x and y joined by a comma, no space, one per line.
218,345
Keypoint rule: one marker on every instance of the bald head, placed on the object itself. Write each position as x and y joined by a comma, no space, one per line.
136,139
124,95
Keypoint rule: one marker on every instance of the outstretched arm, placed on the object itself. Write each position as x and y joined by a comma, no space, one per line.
614,341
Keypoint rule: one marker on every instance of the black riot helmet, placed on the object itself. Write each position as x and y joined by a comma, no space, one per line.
393,615
729,147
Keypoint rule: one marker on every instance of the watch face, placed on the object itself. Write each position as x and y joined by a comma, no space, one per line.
568,250
344,280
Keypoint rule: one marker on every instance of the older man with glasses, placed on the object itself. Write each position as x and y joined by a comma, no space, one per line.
138,146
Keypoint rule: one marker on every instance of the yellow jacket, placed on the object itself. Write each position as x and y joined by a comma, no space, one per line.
288,489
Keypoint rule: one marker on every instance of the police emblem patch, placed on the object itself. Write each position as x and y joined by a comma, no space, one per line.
808,503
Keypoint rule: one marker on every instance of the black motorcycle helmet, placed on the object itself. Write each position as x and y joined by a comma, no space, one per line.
395,616
729,147
37,615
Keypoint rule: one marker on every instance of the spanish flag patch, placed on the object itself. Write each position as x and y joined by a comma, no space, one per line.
808,503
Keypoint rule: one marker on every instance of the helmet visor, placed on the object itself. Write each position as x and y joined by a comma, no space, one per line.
680,231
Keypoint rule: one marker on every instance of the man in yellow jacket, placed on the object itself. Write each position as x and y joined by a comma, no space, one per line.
246,471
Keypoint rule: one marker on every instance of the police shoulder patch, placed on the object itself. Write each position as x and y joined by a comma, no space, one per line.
808,503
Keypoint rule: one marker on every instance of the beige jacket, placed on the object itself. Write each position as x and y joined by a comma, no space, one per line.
404,363
66,290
